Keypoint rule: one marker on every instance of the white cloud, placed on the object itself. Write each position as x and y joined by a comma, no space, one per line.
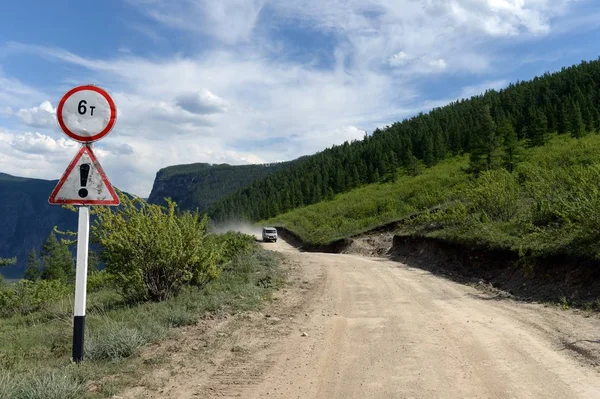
41,116
203,103
400,58
37,143
35,155
419,64
241,100
229,21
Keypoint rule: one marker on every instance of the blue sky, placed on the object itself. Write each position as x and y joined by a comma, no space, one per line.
247,81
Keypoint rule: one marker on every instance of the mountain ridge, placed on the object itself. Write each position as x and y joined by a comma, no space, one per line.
27,218
196,186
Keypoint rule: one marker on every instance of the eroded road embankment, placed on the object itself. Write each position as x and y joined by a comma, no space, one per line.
354,327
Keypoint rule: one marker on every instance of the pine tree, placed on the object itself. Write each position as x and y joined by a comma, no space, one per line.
428,155
538,129
596,120
439,144
511,145
412,166
58,262
33,271
485,154
577,125
588,118
563,120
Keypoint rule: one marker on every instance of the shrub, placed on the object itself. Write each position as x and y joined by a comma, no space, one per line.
153,252
48,385
179,317
99,280
53,385
232,243
114,342
496,193
8,388
27,296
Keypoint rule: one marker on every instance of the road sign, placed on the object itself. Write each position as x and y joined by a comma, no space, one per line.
84,183
86,113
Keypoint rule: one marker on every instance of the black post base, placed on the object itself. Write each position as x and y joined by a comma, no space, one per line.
78,332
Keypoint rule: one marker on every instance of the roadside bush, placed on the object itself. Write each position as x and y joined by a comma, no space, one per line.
496,192
26,296
99,280
153,252
49,385
232,243
114,342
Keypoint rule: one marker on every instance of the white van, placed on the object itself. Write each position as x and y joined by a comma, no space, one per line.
269,234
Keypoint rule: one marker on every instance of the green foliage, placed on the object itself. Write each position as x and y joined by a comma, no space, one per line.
36,348
57,260
179,317
99,280
548,205
33,271
375,204
496,193
153,252
27,296
93,261
485,152
47,385
113,342
7,261
537,128
576,122
512,149
232,243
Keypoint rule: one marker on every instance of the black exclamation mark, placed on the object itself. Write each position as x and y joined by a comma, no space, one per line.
84,172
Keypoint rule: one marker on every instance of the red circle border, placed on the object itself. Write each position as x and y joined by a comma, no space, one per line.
107,129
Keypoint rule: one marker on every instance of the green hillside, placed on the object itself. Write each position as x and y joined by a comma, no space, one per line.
26,218
484,126
197,186
548,205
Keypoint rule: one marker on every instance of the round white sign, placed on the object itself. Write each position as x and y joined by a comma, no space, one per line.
86,113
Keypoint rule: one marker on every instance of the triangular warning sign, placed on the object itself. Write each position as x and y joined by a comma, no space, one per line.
84,183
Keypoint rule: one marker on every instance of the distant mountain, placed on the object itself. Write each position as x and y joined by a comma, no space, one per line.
198,185
26,218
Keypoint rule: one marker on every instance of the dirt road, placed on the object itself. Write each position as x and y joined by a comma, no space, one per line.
352,327
383,330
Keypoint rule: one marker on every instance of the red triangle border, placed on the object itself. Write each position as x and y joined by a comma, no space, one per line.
84,149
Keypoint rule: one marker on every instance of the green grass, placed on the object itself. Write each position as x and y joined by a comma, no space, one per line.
35,351
549,205
375,204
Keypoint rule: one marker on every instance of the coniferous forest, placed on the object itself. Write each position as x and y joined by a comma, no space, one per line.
490,127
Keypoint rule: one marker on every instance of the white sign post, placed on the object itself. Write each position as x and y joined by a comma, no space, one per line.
86,114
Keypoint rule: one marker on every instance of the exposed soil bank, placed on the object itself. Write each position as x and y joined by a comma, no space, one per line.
549,279
577,280
335,247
